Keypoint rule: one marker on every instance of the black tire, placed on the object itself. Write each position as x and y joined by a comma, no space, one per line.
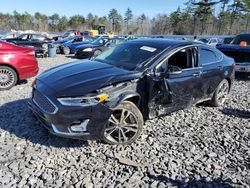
66,50
220,94
8,78
123,129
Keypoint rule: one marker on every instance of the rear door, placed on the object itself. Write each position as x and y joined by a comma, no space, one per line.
212,70
36,40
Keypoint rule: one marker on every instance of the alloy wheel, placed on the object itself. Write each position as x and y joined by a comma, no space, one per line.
222,92
66,50
7,78
122,127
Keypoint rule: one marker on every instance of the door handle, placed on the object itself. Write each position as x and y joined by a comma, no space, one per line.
198,74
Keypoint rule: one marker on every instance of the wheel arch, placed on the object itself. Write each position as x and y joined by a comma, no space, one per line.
229,82
12,67
130,96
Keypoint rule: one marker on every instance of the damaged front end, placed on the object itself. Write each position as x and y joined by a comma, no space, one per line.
80,117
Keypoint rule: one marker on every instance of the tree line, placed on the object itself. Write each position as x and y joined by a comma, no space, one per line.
197,17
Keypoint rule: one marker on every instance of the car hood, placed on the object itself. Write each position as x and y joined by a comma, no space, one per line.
233,47
79,78
83,46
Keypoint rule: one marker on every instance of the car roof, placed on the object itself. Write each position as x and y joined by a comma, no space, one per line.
161,42
32,34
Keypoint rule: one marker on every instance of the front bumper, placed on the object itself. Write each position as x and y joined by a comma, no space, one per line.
81,54
60,121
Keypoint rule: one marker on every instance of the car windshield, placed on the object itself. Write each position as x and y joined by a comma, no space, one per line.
129,56
68,39
89,39
240,38
100,41
66,34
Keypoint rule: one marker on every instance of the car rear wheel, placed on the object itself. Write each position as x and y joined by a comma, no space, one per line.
8,78
220,94
45,46
125,124
66,50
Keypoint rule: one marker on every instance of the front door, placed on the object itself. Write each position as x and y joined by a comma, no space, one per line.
23,40
181,85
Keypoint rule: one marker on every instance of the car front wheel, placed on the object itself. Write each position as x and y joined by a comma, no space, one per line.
66,50
220,94
124,125
8,78
97,52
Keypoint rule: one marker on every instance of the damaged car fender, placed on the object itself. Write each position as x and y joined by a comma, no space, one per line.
129,96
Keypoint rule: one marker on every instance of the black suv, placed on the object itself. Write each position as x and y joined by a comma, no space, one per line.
111,96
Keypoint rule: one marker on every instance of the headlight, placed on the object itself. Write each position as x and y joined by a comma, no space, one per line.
87,50
83,101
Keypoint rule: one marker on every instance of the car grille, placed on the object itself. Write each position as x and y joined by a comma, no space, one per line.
43,102
239,57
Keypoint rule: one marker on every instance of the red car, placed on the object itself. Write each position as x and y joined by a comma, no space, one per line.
16,63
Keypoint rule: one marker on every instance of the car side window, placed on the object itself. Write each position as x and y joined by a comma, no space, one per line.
184,59
37,37
24,37
208,56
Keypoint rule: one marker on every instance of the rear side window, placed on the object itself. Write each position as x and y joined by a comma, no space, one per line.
38,37
208,56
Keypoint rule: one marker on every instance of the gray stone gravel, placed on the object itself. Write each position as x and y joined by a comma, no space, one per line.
199,146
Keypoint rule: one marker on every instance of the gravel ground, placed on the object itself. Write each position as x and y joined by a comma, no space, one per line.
199,146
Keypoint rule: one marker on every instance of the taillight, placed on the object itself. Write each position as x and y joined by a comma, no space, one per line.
33,84
31,53
234,65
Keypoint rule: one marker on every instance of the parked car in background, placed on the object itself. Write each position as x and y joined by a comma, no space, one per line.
217,41
59,43
96,47
110,96
70,47
204,40
67,34
214,41
16,63
239,49
227,40
30,39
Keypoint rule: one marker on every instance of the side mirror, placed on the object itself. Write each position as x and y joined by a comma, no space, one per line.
161,74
